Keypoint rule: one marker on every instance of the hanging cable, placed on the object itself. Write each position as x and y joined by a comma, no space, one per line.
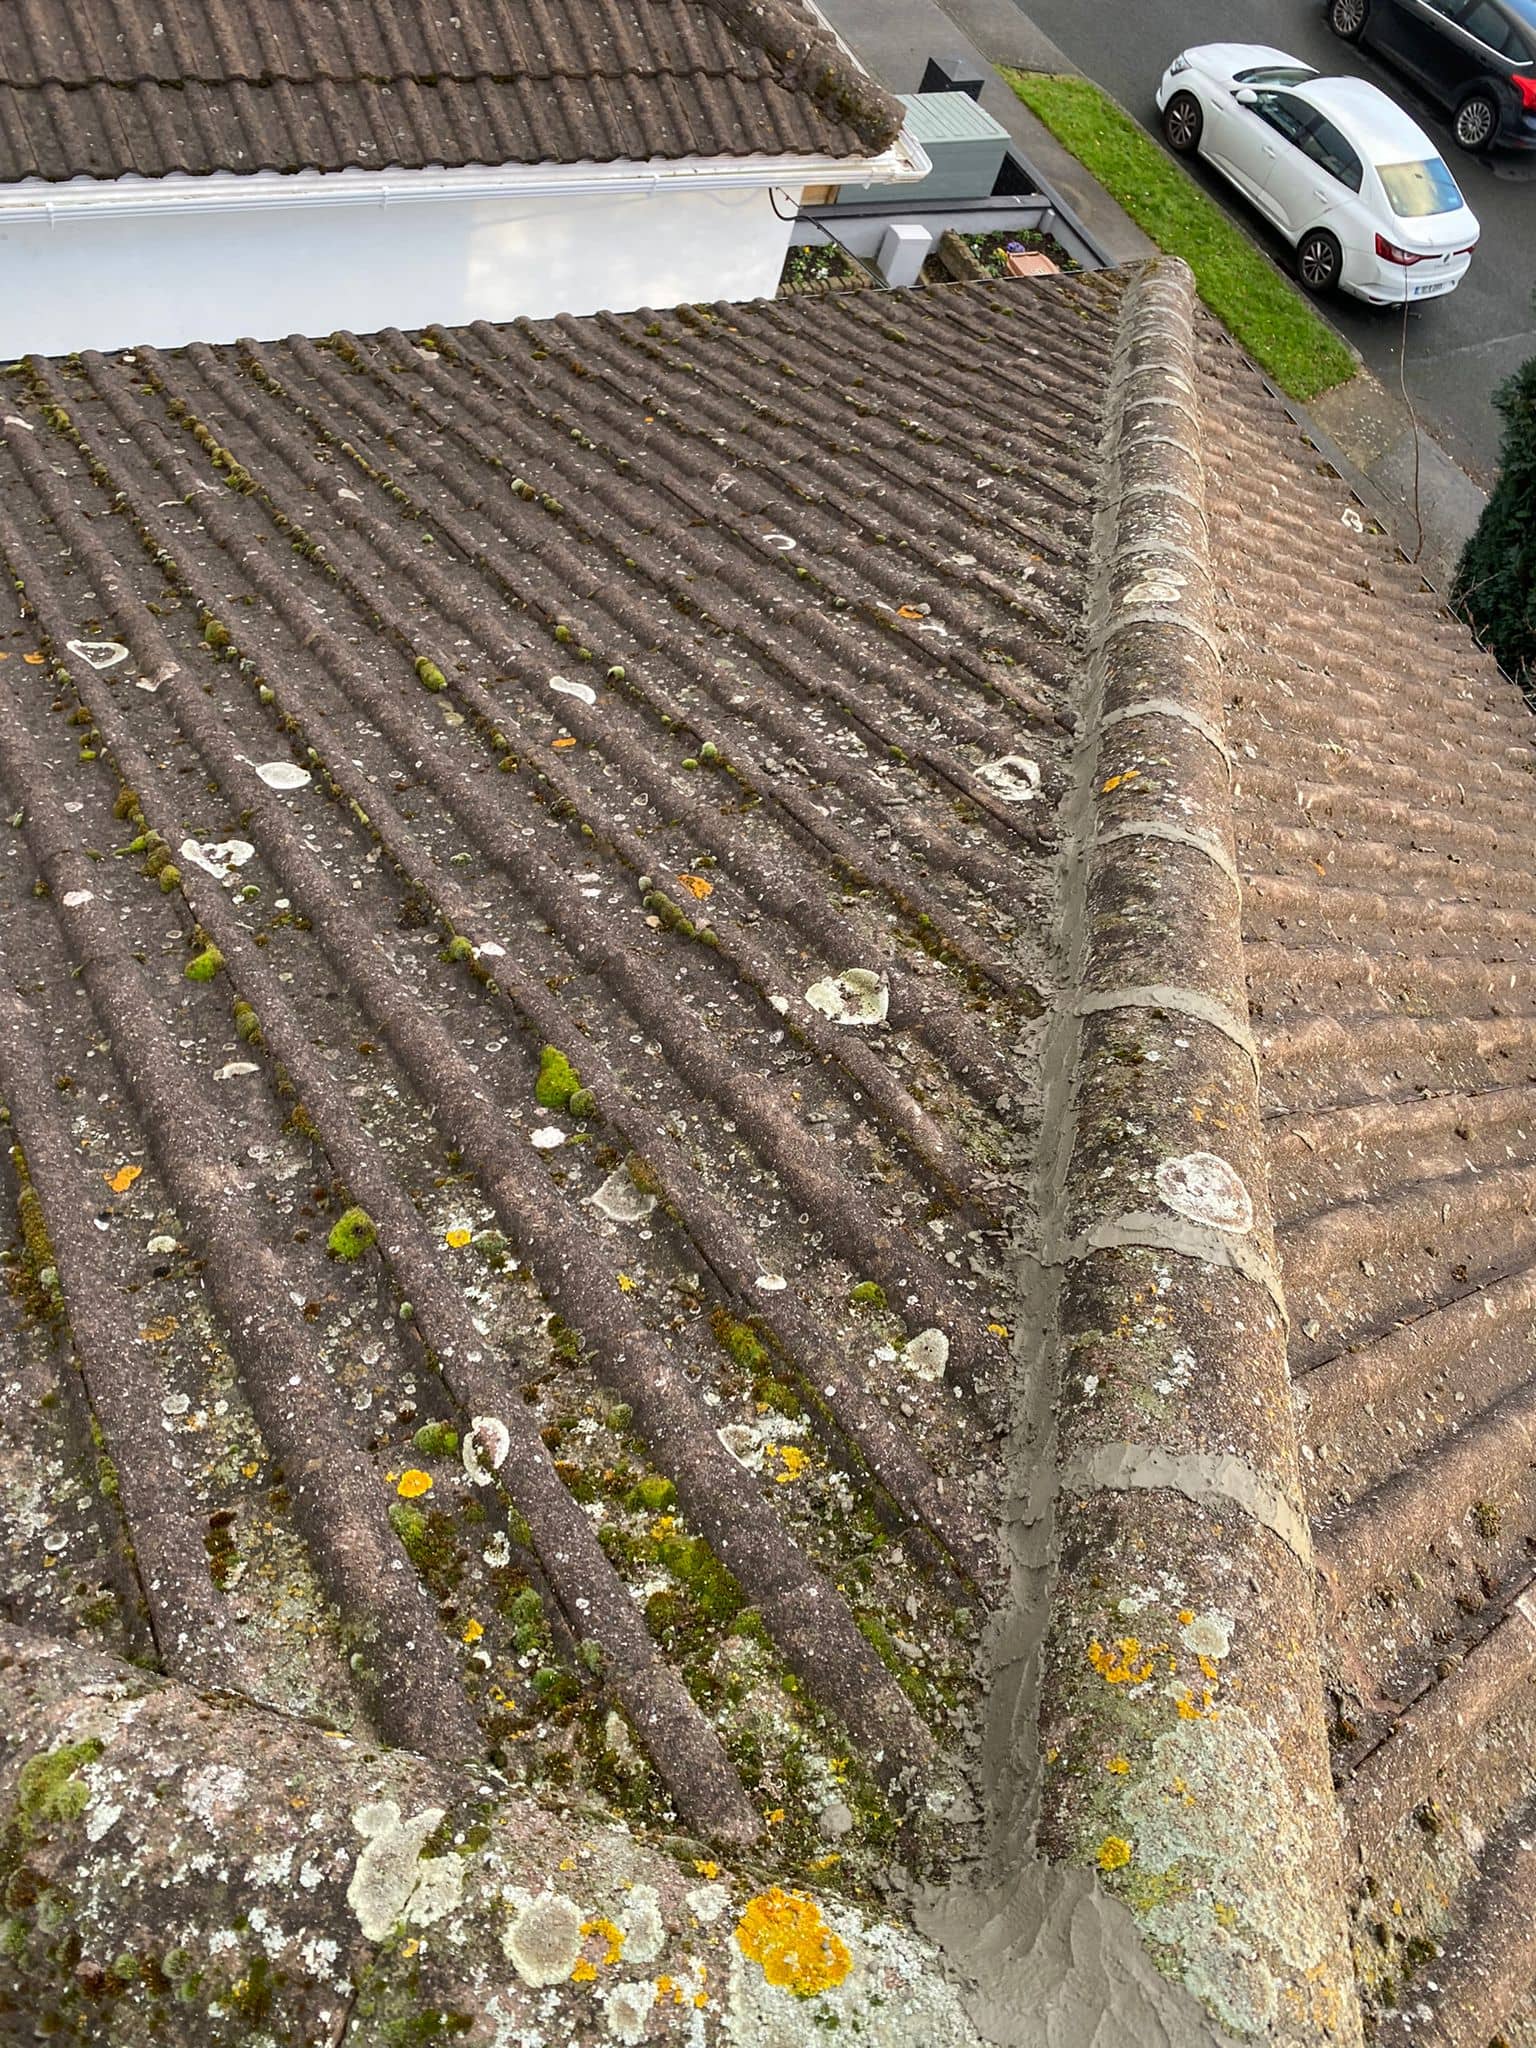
822,228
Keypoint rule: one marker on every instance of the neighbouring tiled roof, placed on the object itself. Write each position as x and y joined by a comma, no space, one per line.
151,87
1383,784
616,686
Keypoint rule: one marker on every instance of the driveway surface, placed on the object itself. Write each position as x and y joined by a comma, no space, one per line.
1459,348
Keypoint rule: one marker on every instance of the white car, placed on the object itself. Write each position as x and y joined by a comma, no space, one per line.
1356,188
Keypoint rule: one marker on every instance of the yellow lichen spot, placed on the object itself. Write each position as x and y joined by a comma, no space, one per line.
473,1631
998,1329
124,1178
1209,1669
457,1235
1114,1852
701,1999
613,1937
562,743
1226,1916
708,1869
697,886
410,1948
785,1934
1114,782
566,1863
791,1457
825,1862
157,1331
1119,1765
775,1816
251,1469
1186,1616
584,1971
1123,1664
413,1484
1191,1709
626,1285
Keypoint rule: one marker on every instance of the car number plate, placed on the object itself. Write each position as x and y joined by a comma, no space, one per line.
1425,291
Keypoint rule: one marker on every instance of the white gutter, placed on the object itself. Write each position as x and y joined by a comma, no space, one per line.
262,191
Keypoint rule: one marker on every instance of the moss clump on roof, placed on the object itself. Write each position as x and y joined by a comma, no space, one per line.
558,1080
47,1788
430,675
353,1233
436,1440
738,1341
867,1294
205,965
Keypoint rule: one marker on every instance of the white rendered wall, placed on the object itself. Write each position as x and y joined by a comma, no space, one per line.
98,282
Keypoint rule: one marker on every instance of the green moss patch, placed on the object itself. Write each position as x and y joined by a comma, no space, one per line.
353,1233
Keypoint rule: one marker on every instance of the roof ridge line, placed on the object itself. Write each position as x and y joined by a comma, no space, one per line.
813,61
1181,1712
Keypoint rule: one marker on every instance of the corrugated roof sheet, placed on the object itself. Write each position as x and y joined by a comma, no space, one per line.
284,85
568,890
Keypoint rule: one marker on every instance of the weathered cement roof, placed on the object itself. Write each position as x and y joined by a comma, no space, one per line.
640,1171
148,87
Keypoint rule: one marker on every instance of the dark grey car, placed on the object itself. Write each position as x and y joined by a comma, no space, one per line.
1476,58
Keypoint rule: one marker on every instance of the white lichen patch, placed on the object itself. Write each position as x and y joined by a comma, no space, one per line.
627,2011
859,996
707,1903
1207,1189
1188,1823
393,1882
1011,778
645,1933
216,857
281,774
485,1448
620,1200
1208,1635
928,1354
543,1943
98,654
546,1138
564,687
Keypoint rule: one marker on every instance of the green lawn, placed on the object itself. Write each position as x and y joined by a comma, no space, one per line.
1245,291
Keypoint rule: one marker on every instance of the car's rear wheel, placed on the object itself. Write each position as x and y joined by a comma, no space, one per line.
1477,121
1182,123
1319,260
1347,18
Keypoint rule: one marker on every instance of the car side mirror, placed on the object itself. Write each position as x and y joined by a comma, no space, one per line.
1246,96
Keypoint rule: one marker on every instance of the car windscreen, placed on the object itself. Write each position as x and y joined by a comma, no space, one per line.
1414,190
1274,74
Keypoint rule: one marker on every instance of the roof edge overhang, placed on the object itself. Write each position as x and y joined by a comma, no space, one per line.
223,192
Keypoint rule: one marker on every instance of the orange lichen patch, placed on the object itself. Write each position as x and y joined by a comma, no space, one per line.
909,611
1114,1852
697,886
785,1934
1191,1709
584,1971
413,1484
562,743
1186,1616
612,1936
124,1178
1124,1664
33,660
1209,1669
157,1331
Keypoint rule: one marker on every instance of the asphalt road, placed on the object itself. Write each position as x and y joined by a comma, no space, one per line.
1459,348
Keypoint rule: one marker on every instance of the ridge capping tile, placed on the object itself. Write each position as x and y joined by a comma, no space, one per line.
1181,1710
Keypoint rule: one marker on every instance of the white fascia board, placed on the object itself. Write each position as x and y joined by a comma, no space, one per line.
260,191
